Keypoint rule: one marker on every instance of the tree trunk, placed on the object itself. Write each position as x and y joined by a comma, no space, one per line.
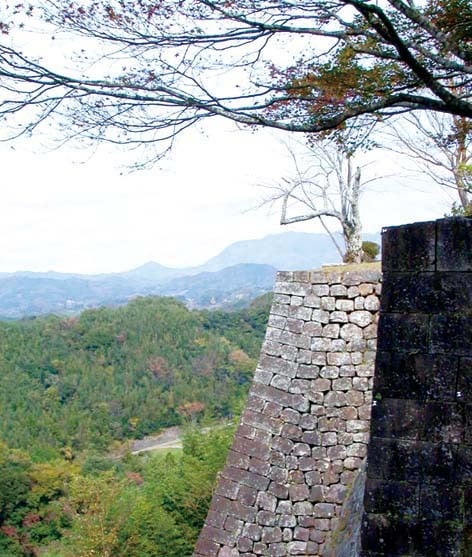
351,221
460,171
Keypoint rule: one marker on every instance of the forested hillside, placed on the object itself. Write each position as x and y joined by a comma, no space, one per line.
111,374
75,387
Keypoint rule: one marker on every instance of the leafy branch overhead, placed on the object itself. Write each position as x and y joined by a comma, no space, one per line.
144,71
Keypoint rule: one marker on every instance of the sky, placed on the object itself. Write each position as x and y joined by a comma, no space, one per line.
70,210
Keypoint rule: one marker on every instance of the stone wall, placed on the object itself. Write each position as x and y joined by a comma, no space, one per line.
418,497
304,432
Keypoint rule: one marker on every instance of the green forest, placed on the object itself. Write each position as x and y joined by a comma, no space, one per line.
76,389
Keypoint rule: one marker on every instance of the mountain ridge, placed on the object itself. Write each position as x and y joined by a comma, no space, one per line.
240,272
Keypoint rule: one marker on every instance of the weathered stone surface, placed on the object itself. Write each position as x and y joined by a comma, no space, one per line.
361,318
344,305
292,459
409,248
419,455
454,245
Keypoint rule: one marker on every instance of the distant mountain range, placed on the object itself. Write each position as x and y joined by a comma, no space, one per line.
239,273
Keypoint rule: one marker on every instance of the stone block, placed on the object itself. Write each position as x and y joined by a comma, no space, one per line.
277,321
454,244
247,495
353,291
287,352
324,510
279,490
357,449
409,248
443,422
271,535
335,399
338,317
260,467
380,533
331,330
297,548
339,359
336,494
300,386
308,371
287,533
252,531
250,479
296,300
372,303
278,365
233,525
318,358
420,376
272,409
281,382
362,318
338,290
260,548
320,289
397,419
337,452
441,502
237,460
311,437
298,492
350,332
391,459
218,535
301,449
398,498
244,545
227,488
312,301
277,550
291,431
320,316
404,332
359,302
294,325
366,288
266,518
281,299
263,376
292,288
464,383
282,445
300,312
207,547
250,447
344,305
328,303
303,357
271,347
451,333
312,329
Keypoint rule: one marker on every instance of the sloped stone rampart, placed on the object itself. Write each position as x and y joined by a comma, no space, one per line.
304,432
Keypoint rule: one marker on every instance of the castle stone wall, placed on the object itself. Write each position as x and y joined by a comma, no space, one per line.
418,495
304,432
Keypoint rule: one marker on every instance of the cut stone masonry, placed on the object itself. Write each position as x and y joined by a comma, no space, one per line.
304,432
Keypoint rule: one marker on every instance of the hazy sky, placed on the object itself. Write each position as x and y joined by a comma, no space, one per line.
68,211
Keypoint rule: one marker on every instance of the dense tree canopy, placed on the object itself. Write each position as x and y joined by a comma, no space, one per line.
74,387
143,71
78,383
